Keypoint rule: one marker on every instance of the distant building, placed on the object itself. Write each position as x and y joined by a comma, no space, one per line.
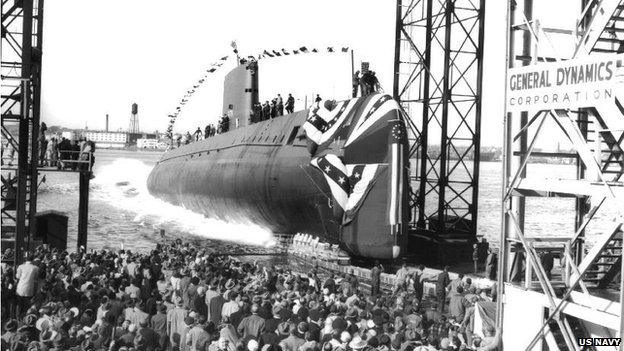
105,139
145,143
134,137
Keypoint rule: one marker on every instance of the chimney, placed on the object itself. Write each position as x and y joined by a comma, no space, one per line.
106,122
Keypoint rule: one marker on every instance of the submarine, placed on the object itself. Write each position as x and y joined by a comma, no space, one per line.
338,170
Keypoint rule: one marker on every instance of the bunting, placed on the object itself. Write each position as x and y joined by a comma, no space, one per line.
322,124
362,177
216,65
335,173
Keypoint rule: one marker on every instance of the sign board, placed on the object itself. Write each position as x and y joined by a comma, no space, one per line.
584,82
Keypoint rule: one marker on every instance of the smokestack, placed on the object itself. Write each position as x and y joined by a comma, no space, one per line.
107,122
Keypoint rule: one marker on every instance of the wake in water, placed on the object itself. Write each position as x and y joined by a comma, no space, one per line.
123,184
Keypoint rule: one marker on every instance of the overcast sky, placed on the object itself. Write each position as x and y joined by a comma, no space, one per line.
102,55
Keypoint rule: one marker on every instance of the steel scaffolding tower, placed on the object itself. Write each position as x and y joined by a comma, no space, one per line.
22,24
438,70
582,300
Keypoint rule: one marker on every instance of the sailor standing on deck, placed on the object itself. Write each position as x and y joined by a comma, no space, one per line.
280,105
266,111
273,109
290,104
198,134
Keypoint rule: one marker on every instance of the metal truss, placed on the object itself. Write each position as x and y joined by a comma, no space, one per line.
438,70
597,139
22,25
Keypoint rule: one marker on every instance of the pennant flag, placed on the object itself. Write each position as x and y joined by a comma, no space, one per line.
362,177
314,50
285,52
277,53
224,58
335,174
345,49
330,49
295,52
303,49
397,138
267,53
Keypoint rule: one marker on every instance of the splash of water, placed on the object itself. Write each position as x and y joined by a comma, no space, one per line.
123,184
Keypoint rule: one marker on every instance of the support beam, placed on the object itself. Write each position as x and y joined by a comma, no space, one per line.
83,210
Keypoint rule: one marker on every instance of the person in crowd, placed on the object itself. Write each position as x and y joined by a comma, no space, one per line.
207,131
27,275
273,109
52,152
290,104
75,154
266,110
442,282
318,100
280,105
376,278
401,277
181,296
187,138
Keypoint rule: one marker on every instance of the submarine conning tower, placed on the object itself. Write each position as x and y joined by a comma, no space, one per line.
240,93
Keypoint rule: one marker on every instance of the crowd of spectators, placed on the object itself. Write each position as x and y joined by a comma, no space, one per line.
181,297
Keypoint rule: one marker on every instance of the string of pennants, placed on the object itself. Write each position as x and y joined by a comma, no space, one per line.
216,65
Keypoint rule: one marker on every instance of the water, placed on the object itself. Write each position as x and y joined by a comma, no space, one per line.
122,212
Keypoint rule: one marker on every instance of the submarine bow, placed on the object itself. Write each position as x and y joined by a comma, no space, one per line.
338,171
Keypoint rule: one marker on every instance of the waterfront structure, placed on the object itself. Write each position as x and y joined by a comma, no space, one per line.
438,68
104,139
562,311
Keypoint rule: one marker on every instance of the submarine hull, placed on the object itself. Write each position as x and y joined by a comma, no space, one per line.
262,173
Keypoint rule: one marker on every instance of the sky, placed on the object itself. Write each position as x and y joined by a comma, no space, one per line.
100,56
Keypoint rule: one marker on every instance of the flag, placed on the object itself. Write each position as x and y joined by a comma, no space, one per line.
224,58
378,106
267,53
285,52
277,53
346,49
251,57
314,50
322,124
295,52
303,49
397,138
335,174
362,177
314,127
330,49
